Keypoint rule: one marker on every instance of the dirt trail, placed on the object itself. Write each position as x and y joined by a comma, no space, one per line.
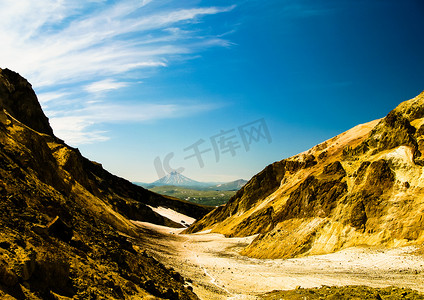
219,272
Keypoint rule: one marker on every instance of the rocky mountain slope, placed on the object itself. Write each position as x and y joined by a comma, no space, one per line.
364,187
65,229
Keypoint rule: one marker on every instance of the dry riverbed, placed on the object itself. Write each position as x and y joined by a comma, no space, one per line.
217,271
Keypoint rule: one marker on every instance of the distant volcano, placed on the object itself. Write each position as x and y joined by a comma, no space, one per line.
177,179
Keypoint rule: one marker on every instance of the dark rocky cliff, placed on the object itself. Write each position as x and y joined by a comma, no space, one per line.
65,229
20,101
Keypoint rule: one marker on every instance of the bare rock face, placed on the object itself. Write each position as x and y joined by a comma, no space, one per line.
362,187
7,277
65,229
20,101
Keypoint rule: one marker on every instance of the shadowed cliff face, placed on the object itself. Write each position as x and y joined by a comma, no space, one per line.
20,101
65,226
362,187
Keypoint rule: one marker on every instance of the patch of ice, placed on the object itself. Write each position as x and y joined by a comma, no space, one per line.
173,215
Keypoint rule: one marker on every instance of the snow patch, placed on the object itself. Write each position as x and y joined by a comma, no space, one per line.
173,215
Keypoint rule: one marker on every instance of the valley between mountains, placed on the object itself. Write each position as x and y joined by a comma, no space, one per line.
343,220
218,271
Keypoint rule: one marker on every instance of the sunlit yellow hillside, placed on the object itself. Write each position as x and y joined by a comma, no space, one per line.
363,187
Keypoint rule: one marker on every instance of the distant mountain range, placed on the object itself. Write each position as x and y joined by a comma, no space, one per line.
177,179
229,186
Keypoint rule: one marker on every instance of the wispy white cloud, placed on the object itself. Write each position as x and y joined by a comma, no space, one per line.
77,125
104,85
57,41
44,98
89,46
77,130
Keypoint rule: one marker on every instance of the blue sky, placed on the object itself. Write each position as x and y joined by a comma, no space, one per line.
139,85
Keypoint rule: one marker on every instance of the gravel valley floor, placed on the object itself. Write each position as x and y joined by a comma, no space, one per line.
217,271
